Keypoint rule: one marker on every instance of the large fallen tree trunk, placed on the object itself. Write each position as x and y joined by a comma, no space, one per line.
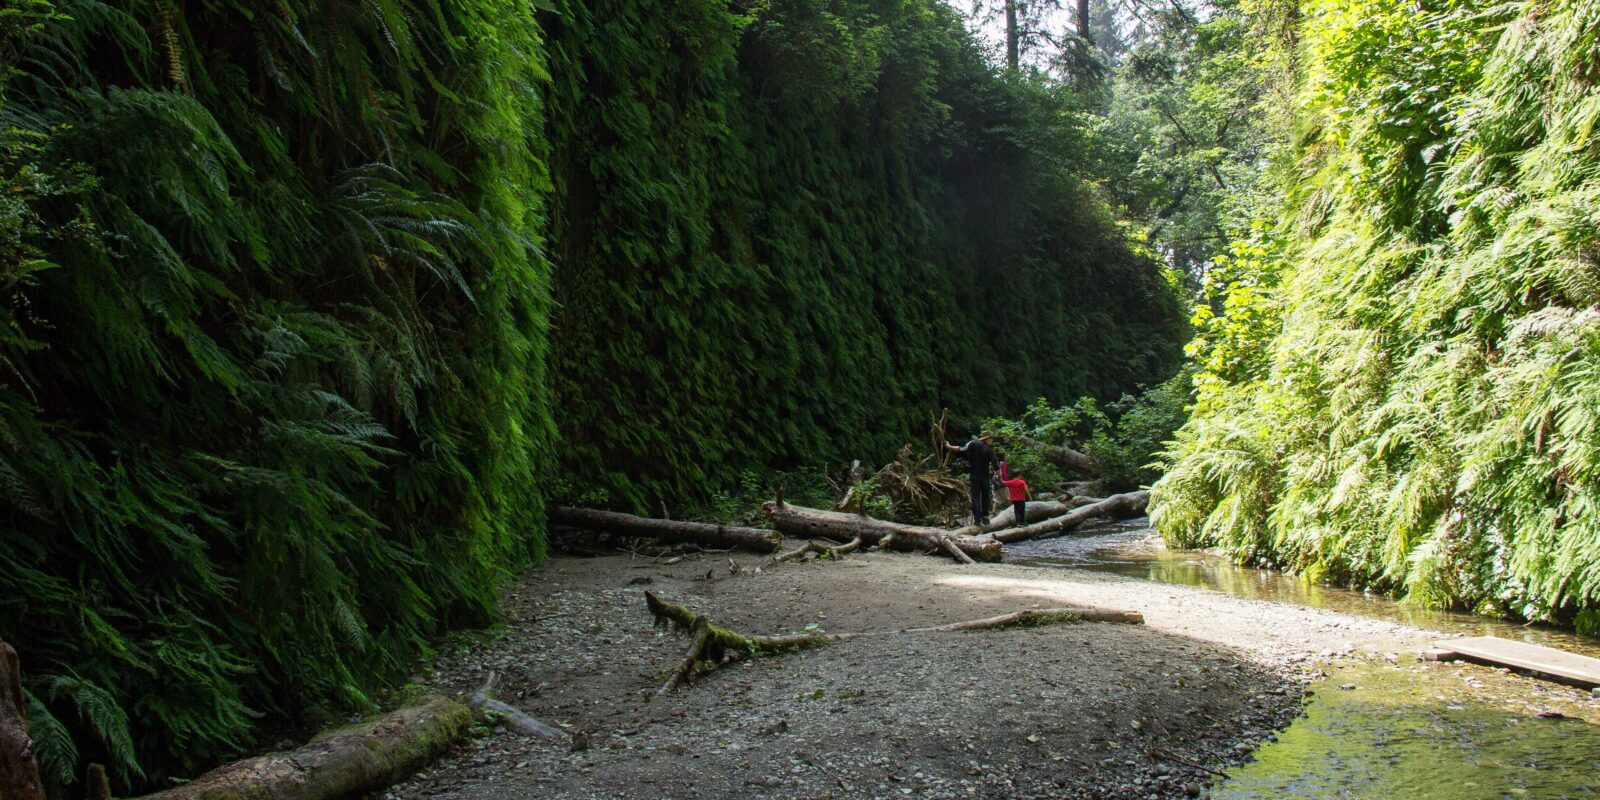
704,534
1064,457
346,763
1038,510
19,772
810,523
712,645
1119,506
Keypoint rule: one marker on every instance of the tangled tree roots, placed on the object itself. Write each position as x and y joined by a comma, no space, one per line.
711,646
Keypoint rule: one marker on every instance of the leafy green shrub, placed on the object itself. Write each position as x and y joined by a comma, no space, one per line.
1124,438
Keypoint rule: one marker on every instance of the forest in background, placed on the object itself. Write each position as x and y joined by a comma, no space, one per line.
309,307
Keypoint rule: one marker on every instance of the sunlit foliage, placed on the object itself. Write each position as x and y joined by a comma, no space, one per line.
1427,417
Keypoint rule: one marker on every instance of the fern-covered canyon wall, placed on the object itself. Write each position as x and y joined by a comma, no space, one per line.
783,238
1397,381
306,307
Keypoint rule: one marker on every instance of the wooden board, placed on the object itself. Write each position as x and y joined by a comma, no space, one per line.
1559,664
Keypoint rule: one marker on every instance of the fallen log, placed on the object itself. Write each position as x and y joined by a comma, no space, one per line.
345,763
810,523
1064,457
705,534
711,645
1037,510
1117,506
19,772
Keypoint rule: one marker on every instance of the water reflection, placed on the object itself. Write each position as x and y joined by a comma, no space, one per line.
1421,732
1378,730
1133,549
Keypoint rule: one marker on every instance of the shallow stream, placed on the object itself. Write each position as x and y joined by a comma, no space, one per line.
1375,729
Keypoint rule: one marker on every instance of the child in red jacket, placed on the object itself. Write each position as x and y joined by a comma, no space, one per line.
1018,489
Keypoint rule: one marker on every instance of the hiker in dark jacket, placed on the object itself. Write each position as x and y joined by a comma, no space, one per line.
980,464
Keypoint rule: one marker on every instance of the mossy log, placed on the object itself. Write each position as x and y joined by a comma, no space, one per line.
19,771
347,762
1118,506
705,534
810,523
712,645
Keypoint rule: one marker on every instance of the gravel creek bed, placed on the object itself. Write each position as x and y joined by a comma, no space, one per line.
1088,710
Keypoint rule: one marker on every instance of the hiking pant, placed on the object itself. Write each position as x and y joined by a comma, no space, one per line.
982,498
1020,509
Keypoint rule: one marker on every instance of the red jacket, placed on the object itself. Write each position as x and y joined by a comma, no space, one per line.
1018,489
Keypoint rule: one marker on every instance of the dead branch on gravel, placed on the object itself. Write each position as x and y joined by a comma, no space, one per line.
811,523
711,645
509,715
1171,756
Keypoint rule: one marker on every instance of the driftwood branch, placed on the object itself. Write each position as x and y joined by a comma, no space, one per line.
19,771
711,645
704,534
509,715
346,763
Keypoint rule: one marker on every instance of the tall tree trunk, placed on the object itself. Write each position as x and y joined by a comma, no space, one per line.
1013,43
1083,23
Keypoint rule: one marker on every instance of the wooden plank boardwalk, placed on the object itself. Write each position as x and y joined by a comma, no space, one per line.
1547,661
